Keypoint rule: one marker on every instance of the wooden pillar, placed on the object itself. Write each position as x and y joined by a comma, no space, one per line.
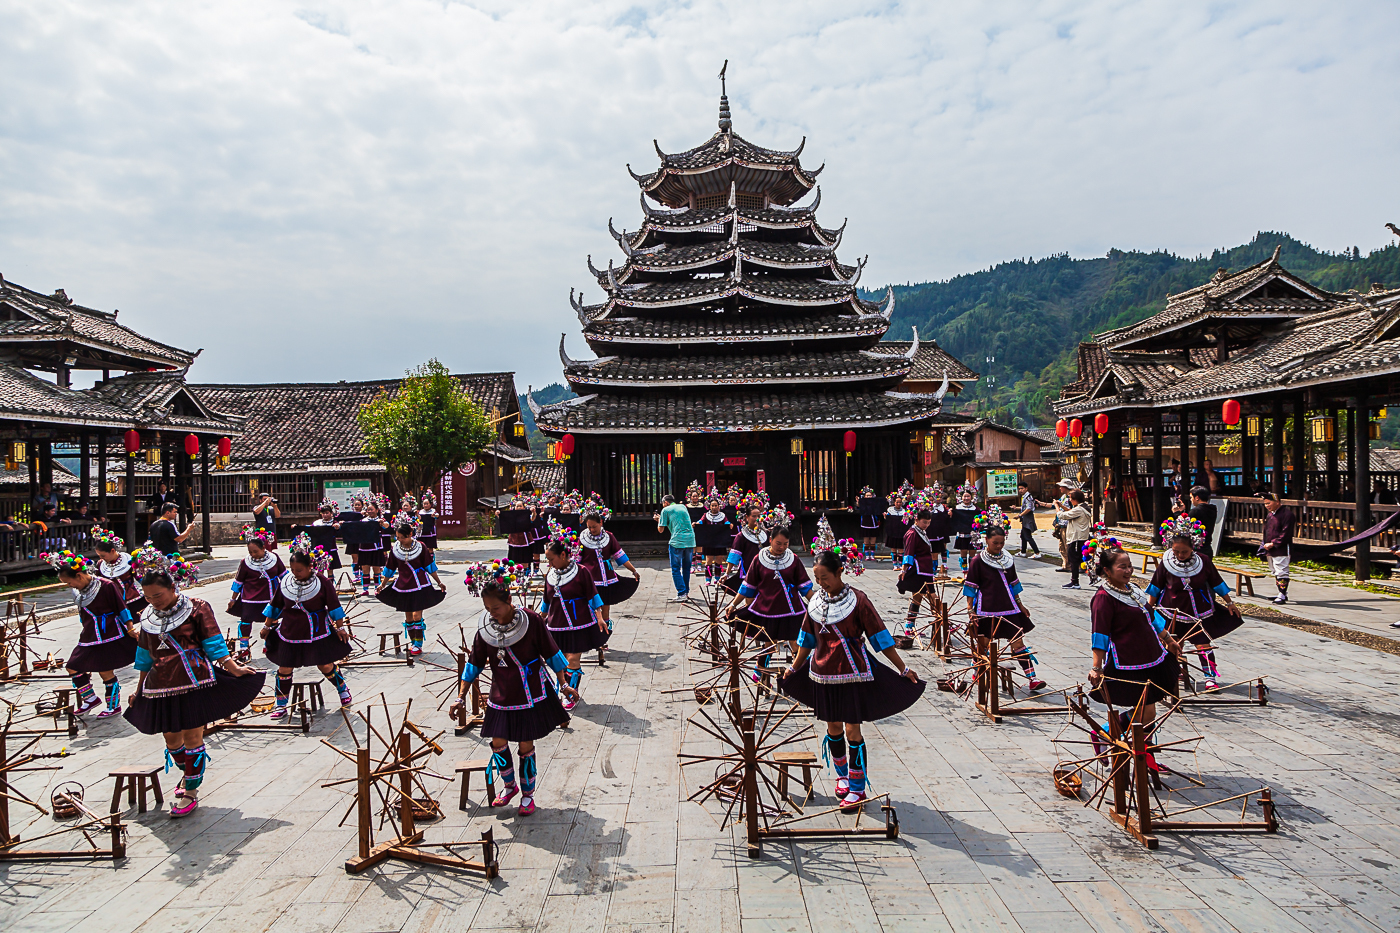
84,466
204,489
31,460
131,502
45,462
165,462
1276,435
1096,474
1334,480
1246,459
1115,458
102,473
1301,465
1199,479
1158,514
1361,473
1184,455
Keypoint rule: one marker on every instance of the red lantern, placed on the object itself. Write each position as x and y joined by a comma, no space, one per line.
225,447
567,445
132,440
1076,428
191,445
1230,412
1101,424
848,442
1062,429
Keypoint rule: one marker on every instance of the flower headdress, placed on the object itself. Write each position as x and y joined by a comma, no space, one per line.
992,520
969,489
320,560
1100,540
328,504
776,517
825,539
693,493
256,533
867,492
410,519
846,550
182,573
597,510
565,536
357,503
757,497
1184,526
108,539
408,503
427,502
60,560
478,574
384,503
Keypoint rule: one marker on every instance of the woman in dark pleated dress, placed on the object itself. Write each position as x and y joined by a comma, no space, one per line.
840,680
743,550
1135,660
253,583
600,553
993,591
963,515
325,513
188,678
116,565
427,515
411,584
572,614
304,625
871,518
774,590
105,644
372,554
919,568
715,557
1186,585
897,520
523,706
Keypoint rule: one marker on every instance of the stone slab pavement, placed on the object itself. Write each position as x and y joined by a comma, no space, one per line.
986,842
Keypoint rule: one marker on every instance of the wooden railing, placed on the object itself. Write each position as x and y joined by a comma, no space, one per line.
1318,520
21,546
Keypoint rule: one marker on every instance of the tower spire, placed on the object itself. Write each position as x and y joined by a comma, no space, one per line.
725,124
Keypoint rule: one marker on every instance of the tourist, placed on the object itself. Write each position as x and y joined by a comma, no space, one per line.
405,586
516,646
572,616
1077,524
675,519
919,569
372,552
1058,524
868,505
48,530
115,564
253,583
1135,660
743,550
599,553
1185,585
105,644
771,596
1204,511
993,592
164,533
304,625
163,495
714,556
1213,481
1274,545
45,498
963,514
896,527
1026,515
188,679
325,513
1380,493
835,674
265,515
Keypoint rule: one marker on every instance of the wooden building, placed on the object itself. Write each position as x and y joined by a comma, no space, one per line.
1310,368
731,347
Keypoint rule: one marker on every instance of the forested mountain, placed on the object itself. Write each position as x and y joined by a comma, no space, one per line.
1030,314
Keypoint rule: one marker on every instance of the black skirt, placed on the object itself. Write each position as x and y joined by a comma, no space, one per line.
1125,688
137,606
525,725
252,613
870,523
778,628
963,543
730,584
894,540
224,697
519,554
939,546
912,583
715,551
858,701
579,640
352,548
316,653
108,656
371,556
1220,623
413,601
619,591
1004,626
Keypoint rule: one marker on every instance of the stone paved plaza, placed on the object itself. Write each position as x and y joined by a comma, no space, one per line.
986,843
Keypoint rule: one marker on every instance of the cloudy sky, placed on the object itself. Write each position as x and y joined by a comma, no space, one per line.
339,190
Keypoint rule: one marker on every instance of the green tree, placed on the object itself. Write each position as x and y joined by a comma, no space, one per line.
425,427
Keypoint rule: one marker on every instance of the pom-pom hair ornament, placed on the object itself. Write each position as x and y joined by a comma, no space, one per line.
320,560
867,492
357,503
410,519
969,489
565,536
992,520
107,539
1097,542
61,560
776,517
182,573
1184,526
384,503
477,575
408,503
330,504
596,510
256,533
427,502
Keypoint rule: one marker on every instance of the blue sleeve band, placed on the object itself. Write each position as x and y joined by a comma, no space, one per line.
215,648
805,587
1223,588
621,558
389,574
1016,588
470,672
144,661
1158,622
746,591
1100,641
125,616
558,662
908,561
882,641
969,591
595,603
1154,590
734,558
431,568
272,612
237,587
337,613
806,639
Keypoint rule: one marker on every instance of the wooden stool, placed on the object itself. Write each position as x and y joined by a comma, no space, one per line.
466,769
804,760
384,641
136,781
311,689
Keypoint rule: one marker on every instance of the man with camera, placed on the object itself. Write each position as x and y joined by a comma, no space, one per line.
265,515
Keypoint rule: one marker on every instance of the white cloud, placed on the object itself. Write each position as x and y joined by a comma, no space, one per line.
339,190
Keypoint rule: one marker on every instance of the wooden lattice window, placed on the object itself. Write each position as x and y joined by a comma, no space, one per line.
744,199
645,478
816,474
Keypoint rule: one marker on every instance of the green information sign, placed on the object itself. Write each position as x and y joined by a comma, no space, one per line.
1001,483
341,490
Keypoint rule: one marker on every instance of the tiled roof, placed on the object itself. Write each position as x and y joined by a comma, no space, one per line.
163,399
24,396
49,319
760,288
931,361
543,474
697,256
727,158
738,369
719,220
305,425
1034,438
1092,362
739,410
743,327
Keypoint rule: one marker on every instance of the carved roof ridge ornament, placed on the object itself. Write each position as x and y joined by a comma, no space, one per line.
888,310
733,189
639,179
914,348
593,270
860,267
726,123
535,408
612,279
811,208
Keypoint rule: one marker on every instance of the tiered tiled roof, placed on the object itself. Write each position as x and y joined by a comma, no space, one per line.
737,369
744,327
707,256
146,401
931,362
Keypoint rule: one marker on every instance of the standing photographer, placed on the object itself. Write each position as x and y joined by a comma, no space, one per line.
265,515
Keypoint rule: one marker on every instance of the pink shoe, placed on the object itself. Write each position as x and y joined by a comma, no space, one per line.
346,699
527,806
568,702
414,652
184,805
852,802
279,713
504,797
843,787
106,713
87,706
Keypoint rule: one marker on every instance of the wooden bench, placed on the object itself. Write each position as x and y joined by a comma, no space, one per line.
804,760
308,691
1244,579
136,781
466,769
384,641
1154,556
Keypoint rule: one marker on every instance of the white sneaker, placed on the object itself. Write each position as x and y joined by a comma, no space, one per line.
680,599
